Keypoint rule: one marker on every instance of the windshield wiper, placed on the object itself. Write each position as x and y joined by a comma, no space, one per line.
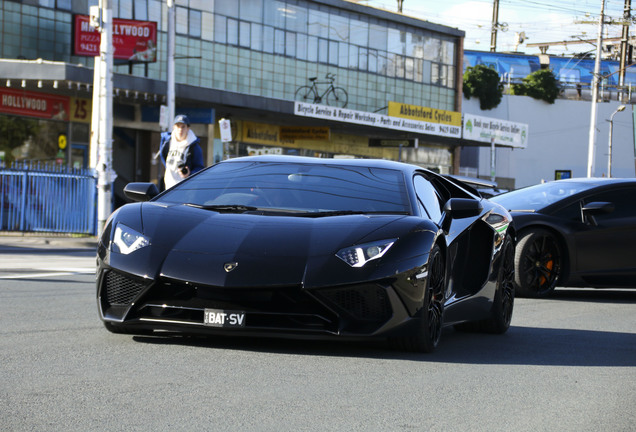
228,208
348,212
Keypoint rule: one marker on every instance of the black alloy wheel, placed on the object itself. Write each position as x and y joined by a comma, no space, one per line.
427,334
538,263
505,295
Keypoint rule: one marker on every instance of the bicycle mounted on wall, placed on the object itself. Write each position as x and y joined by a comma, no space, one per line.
334,96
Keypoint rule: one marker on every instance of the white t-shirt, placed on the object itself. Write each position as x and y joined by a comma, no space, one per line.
176,156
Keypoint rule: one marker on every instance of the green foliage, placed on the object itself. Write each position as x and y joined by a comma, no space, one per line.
483,82
14,132
540,84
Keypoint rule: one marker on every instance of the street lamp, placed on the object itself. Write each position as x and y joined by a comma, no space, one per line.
609,145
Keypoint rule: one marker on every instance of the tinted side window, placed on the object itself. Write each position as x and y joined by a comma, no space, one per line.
428,197
624,201
571,212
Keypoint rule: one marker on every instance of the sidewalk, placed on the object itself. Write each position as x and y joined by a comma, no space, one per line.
47,241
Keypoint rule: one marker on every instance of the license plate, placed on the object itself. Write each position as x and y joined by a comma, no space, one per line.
223,318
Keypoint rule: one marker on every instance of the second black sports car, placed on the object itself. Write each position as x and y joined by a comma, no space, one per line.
574,233
307,247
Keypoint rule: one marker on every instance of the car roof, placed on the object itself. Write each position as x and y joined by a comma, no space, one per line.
373,163
596,181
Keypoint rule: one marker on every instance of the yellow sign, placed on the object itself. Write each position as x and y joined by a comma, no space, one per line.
292,133
430,115
61,141
81,109
260,133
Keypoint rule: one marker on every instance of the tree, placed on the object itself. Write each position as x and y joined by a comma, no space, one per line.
483,82
541,84
14,132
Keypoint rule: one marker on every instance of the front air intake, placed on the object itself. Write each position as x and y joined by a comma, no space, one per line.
120,289
363,302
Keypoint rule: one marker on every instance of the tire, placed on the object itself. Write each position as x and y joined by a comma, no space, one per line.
427,334
337,97
305,94
504,300
538,263
503,303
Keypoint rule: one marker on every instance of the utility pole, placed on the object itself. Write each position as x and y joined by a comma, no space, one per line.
170,90
624,38
102,115
495,25
595,81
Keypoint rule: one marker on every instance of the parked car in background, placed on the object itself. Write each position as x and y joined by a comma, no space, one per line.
574,233
306,247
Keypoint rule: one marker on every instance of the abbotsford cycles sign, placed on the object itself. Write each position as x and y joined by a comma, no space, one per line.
424,120
445,124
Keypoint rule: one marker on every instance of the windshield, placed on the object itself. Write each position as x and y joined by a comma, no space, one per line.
294,187
539,196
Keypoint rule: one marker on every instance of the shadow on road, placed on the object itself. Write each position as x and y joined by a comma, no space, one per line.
603,295
519,346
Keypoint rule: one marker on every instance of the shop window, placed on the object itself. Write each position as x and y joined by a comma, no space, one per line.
279,42
125,9
273,13
220,29
251,10
323,50
363,58
245,38
181,19
290,44
268,39
333,52
301,46
338,28
353,56
296,18
358,32
141,10
207,26
343,54
232,31
378,37
317,24
257,37
194,23
227,8
312,49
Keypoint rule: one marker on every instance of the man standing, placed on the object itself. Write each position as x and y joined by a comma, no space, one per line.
180,153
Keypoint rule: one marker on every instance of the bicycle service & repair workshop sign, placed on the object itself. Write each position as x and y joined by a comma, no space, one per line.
409,118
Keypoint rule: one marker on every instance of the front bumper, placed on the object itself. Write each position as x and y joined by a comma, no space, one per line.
359,310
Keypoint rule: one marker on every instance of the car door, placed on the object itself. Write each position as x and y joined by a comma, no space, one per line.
606,244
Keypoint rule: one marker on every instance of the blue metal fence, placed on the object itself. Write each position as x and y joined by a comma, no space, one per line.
40,198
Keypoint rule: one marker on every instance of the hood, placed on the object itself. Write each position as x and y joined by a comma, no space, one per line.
195,245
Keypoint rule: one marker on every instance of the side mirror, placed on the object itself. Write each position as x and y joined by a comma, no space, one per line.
595,208
458,208
141,191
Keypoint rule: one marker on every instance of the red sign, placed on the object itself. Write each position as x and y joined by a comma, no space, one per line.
32,104
133,40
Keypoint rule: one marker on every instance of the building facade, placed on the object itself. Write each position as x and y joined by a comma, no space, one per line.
242,60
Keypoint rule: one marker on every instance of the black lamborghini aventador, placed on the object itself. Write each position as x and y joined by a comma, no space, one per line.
574,233
311,248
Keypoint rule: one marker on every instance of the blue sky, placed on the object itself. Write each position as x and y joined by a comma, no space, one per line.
540,20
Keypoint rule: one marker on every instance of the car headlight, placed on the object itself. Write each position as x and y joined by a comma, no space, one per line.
126,240
357,256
